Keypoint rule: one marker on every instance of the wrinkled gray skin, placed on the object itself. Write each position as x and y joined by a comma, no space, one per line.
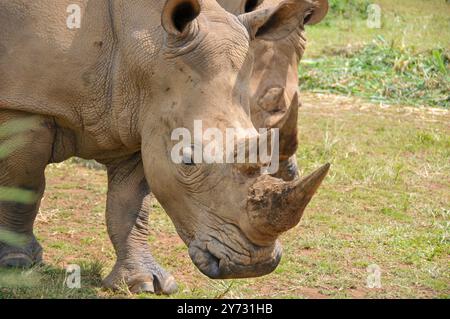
113,91
274,83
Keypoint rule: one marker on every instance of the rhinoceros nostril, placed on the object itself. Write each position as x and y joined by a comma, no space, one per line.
270,101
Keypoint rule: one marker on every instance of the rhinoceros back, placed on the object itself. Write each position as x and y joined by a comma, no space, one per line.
48,68
64,73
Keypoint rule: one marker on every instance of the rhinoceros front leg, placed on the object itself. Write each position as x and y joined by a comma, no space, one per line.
26,141
127,210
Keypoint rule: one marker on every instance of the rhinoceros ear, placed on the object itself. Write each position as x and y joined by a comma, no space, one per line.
251,5
318,14
177,15
278,22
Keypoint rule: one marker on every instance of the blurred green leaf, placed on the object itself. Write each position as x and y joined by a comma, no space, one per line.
22,196
11,145
12,238
15,278
17,126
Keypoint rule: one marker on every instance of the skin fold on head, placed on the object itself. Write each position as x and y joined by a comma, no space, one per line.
274,83
229,215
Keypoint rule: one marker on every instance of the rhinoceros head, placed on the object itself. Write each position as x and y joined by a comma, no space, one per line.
229,214
274,83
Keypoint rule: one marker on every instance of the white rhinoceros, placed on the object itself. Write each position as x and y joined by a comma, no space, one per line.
274,84
114,90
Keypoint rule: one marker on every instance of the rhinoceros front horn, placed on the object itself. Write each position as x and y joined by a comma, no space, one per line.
298,195
276,206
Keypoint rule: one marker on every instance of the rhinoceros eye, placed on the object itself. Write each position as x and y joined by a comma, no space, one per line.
188,162
188,156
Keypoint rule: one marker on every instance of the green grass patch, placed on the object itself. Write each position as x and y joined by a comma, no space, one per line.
417,24
45,281
348,8
381,72
405,61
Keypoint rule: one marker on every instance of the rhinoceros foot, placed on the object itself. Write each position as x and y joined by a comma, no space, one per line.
141,275
20,256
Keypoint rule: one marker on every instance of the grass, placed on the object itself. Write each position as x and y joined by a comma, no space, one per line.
46,281
348,8
420,25
383,73
386,202
406,61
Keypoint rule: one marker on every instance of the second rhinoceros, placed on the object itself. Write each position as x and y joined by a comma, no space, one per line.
114,90
274,83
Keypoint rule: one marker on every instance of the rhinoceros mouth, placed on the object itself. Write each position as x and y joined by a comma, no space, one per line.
218,260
